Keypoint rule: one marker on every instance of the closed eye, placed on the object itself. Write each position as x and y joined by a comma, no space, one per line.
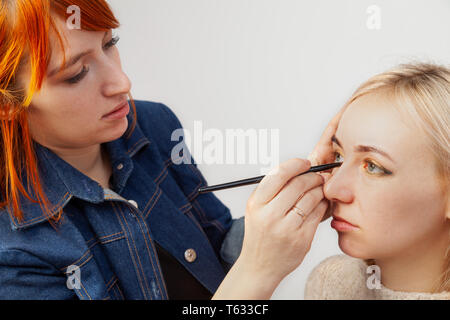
112,42
79,76
85,69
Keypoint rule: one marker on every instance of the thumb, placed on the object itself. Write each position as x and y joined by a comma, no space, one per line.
312,157
326,176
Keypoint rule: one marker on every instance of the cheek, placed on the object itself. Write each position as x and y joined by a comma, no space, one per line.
398,215
80,110
67,122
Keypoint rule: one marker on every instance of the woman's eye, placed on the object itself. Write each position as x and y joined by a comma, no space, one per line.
79,76
338,157
112,42
372,168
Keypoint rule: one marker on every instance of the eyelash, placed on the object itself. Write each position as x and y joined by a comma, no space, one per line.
368,163
85,70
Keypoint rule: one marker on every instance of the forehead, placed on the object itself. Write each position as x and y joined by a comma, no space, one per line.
66,36
374,120
74,41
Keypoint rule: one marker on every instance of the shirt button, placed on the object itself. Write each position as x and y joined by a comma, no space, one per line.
120,166
190,255
134,203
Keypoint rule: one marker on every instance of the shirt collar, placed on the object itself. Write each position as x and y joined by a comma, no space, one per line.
66,182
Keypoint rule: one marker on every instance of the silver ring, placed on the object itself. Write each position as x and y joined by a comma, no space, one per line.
299,212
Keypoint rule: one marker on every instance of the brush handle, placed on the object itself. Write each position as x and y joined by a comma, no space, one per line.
254,180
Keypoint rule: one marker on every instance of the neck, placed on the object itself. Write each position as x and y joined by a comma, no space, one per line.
92,161
418,270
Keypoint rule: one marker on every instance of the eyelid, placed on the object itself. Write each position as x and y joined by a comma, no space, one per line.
112,42
336,151
376,164
79,76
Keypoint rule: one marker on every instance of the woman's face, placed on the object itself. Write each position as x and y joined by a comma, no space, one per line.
393,196
66,114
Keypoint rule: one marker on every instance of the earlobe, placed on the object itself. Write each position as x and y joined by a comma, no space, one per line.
447,208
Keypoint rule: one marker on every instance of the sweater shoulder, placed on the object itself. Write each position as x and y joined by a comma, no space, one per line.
339,277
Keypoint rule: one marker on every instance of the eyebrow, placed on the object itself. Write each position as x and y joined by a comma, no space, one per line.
361,148
73,60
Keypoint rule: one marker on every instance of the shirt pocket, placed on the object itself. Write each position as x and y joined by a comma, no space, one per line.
85,278
113,289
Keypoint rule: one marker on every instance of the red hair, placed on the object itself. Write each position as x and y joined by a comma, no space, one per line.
24,39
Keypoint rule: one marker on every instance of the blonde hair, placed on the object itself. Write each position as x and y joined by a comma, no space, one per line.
421,91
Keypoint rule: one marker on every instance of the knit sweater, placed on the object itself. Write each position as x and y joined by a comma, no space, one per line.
342,277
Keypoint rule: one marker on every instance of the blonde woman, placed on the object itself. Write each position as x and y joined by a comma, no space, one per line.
389,199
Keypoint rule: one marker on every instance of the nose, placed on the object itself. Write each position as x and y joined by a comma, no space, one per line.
339,186
116,81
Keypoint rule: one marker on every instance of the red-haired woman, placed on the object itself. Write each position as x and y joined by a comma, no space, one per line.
93,205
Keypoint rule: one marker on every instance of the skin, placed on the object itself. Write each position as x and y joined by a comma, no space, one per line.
402,218
60,109
385,208
273,231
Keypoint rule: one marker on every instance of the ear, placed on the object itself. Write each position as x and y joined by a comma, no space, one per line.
445,189
447,210
447,207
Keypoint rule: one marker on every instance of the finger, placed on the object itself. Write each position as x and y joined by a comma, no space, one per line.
325,175
273,182
309,226
332,126
327,214
293,190
305,205
312,157
317,155
320,153
311,222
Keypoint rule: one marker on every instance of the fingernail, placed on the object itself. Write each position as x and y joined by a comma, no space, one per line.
273,171
326,176
308,162
323,178
312,158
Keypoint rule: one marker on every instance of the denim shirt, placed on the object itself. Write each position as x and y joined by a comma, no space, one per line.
104,246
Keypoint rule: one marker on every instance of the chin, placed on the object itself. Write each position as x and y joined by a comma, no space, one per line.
353,246
118,130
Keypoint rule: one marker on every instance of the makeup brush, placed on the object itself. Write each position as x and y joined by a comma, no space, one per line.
254,180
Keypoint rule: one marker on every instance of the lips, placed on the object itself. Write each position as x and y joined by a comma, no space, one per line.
341,225
343,220
120,105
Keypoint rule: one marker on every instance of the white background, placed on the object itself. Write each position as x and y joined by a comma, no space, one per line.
270,64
